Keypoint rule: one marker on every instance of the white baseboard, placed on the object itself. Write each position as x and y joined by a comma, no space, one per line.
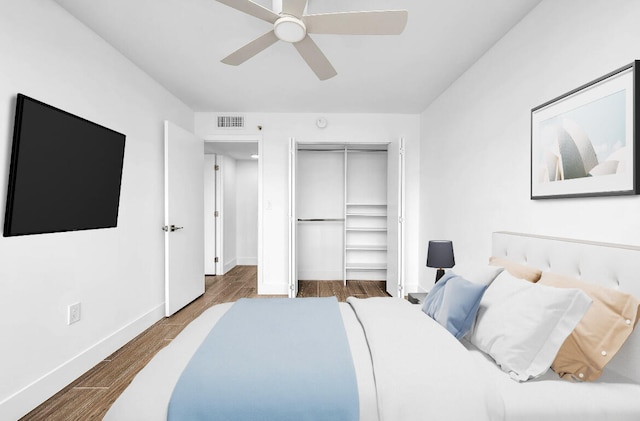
247,261
32,395
228,266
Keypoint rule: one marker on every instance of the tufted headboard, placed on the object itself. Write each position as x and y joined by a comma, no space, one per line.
611,265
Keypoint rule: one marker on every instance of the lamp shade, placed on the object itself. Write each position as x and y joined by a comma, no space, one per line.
440,254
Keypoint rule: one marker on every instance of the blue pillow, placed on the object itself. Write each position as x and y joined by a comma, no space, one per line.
434,298
453,302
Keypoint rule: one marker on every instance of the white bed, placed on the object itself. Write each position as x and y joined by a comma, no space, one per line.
408,367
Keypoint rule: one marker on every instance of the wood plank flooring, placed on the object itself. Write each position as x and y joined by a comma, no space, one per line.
360,289
90,396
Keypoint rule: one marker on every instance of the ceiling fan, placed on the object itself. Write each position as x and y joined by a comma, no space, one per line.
293,26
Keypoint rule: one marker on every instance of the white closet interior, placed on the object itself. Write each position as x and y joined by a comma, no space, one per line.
366,214
341,211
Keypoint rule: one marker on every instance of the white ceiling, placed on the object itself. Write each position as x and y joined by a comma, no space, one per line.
235,150
180,44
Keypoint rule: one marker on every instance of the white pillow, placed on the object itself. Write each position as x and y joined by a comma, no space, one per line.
482,275
522,325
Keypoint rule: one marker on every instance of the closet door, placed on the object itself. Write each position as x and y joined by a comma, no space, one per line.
293,260
395,219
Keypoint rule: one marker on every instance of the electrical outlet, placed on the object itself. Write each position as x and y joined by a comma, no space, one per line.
73,313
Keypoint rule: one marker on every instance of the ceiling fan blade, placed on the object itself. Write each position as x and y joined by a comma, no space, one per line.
377,22
251,49
294,7
253,9
315,59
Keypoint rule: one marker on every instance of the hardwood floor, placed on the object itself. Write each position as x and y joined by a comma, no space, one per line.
90,396
360,289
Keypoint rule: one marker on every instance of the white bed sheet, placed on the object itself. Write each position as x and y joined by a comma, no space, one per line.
422,372
549,397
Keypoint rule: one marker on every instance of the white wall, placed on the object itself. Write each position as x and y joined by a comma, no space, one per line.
247,212
117,274
209,214
476,136
277,128
228,208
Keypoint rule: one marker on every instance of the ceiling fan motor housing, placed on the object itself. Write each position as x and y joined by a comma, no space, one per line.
290,29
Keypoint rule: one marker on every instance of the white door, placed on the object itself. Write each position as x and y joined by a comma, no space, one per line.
293,221
220,218
395,219
184,217
210,215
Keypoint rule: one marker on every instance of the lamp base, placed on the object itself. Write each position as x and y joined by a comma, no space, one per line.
439,274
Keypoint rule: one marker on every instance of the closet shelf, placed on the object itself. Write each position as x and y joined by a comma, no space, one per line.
367,204
366,266
366,247
365,229
382,215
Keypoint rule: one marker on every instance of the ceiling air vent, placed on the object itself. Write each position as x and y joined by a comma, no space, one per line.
230,122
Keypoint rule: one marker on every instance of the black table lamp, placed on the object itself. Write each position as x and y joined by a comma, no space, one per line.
440,255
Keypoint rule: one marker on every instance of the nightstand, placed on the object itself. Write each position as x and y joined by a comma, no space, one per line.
417,297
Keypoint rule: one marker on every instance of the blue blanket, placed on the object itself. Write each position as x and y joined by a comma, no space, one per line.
271,359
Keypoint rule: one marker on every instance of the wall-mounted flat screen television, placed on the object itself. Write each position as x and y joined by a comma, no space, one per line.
65,172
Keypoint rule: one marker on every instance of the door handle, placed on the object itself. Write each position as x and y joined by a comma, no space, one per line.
171,228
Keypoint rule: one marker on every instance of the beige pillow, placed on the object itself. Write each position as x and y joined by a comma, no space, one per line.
601,332
519,270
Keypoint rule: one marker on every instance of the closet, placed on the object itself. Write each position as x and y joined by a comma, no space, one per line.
345,213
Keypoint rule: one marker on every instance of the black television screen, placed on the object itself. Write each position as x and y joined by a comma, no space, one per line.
65,172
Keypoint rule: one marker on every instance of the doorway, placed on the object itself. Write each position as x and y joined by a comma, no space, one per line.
346,204
233,203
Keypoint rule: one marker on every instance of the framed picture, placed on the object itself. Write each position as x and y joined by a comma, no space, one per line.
583,143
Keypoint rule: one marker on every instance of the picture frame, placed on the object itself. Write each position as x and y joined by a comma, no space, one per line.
584,142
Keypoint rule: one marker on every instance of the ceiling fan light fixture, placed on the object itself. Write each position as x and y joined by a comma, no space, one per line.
290,29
